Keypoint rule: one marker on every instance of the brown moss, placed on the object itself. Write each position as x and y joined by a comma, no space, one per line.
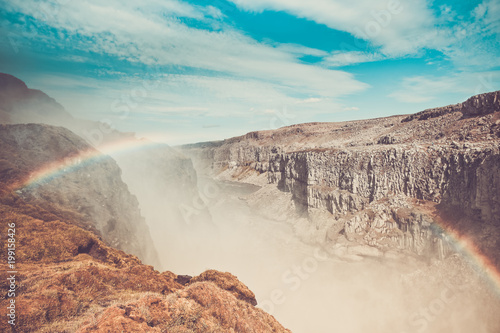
229,282
200,307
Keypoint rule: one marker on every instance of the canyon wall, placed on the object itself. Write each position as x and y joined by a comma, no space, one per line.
390,183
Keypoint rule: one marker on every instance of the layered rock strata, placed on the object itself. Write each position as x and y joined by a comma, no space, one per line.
391,183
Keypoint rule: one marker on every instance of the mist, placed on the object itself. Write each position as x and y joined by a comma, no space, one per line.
199,223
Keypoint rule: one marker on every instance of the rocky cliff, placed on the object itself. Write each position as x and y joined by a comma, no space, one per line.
388,183
55,169
78,230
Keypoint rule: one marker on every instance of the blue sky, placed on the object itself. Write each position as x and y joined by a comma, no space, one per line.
189,71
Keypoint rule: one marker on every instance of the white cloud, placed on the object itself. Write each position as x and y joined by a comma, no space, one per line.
398,27
339,58
300,50
402,27
422,89
147,35
473,43
308,100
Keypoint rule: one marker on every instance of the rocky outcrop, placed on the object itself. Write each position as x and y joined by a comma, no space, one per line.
389,183
229,282
478,105
54,168
200,307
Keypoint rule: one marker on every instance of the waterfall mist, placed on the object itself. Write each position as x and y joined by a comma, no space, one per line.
205,224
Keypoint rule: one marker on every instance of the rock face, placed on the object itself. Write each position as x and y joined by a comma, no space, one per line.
389,183
352,185
54,168
478,105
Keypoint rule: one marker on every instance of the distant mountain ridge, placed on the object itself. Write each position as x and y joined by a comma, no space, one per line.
18,103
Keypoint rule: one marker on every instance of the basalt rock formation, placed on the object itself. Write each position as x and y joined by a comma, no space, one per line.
373,187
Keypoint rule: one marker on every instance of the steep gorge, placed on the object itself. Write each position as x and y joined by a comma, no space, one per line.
52,164
388,184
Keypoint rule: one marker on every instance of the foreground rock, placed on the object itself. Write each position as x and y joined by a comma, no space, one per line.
68,280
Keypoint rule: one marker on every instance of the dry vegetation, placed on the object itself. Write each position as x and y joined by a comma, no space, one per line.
229,282
70,280
200,307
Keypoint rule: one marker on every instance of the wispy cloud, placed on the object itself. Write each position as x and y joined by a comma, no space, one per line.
420,89
153,34
398,27
340,58
401,28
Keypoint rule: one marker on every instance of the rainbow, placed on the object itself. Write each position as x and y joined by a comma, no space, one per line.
461,243
480,262
86,157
